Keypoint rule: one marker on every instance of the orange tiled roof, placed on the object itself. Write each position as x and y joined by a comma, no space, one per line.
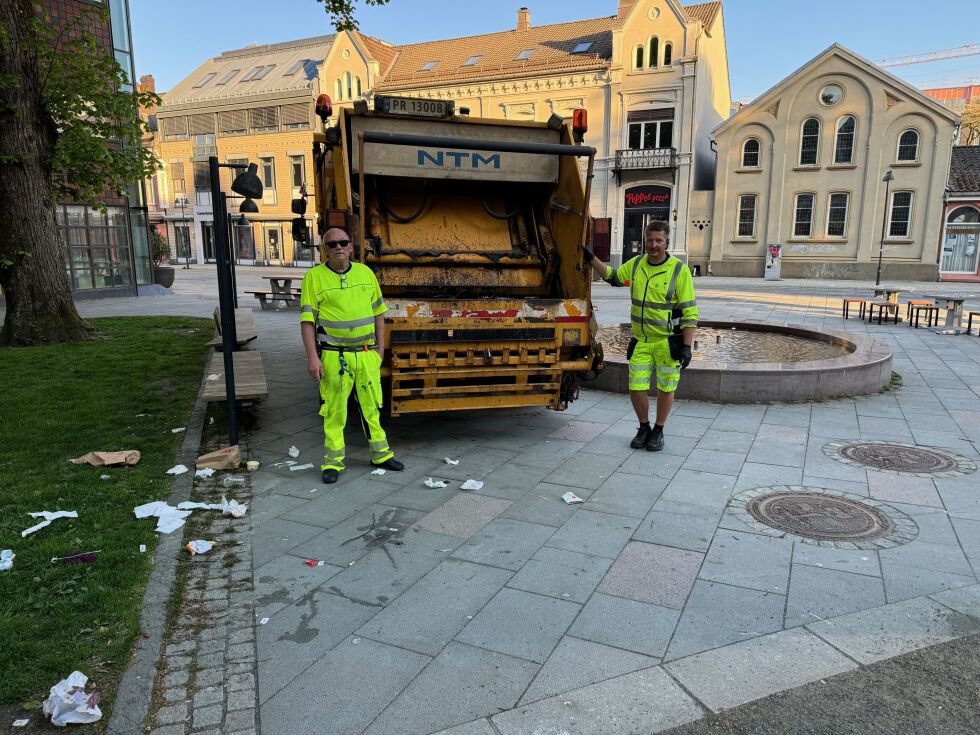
381,51
704,12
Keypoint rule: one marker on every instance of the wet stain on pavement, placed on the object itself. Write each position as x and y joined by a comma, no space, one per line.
304,632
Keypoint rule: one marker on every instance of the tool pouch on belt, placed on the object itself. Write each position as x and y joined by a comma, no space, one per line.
630,348
675,340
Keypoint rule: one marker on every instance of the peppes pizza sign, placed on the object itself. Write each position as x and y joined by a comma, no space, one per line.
642,197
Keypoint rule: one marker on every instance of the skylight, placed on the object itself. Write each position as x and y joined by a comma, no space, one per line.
263,72
251,74
228,77
205,80
472,60
582,47
428,66
296,67
525,54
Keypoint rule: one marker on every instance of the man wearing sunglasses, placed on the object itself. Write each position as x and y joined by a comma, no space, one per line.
342,319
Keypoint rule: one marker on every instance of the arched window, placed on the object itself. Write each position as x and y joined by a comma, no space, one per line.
654,51
963,216
844,144
639,57
960,241
340,91
668,53
348,85
357,86
908,146
809,141
750,153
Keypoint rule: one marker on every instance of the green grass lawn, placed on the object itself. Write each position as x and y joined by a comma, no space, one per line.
61,402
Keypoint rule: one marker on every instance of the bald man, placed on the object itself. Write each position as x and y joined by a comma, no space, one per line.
343,314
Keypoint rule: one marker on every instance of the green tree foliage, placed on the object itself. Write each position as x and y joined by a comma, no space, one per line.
341,12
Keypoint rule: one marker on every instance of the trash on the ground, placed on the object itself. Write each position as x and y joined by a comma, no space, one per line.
211,421
48,517
298,467
356,641
199,547
429,482
142,548
450,461
571,498
228,507
293,452
206,472
178,430
379,471
350,564
78,557
140,415
472,485
105,477
252,465
105,459
312,562
177,469
263,621
68,704
232,481
213,376
169,519
6,560
222,459
21,723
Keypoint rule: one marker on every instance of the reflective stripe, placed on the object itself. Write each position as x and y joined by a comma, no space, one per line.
380,302
307,309
673,281
687,323
650,322
611,278
329,339
650,304
349,324
685,304
381,446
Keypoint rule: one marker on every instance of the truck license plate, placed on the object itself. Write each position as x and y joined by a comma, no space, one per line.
412,106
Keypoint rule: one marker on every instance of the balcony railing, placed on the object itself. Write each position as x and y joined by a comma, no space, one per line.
644,159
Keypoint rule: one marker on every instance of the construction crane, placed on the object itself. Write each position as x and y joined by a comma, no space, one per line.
972,49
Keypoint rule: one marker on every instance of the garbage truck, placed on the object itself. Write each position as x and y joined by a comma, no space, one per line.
473,227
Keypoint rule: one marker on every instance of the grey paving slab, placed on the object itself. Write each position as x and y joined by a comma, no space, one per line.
611,445
271,506
643,702
566,575
709,460
903,582
819,465
629,624
779,445
588,471
599,534
844,560
655,464
463,515
577,663
718,614
660,575
965,600
461,684
505,543
427,616
541,505
693,427
744,560
960,496
743,418
330,505
276,536
696,409
891,630
549,453
356,536
582,431
923,554
783,415
742,672
510,477
681,525
894,488
476,727
727,441
816,594
416,496
626,494
710,489
284,580
759,474
475,463
357,694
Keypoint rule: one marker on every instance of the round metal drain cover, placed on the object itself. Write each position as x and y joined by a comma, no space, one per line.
823,517
901,459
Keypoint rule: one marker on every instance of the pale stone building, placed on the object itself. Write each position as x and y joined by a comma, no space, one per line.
803,165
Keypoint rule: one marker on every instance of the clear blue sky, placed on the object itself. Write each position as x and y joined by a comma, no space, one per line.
766,39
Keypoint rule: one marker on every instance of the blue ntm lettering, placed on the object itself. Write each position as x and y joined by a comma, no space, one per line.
458,159
435,160
491,160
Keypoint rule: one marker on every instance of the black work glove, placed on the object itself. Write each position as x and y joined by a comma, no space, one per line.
589,255
686,356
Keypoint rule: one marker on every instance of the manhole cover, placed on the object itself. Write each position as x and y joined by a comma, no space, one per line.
823,517
901,459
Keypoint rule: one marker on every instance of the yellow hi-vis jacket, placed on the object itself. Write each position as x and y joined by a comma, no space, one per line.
656,290
342,306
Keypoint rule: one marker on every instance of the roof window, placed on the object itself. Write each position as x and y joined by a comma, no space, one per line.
296,67
428,66
582,47
525,54
205,80
263,72
472,61
251,75
228,77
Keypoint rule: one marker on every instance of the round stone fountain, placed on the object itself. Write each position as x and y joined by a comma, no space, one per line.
753,362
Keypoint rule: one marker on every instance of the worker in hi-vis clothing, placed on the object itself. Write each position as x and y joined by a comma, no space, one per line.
343,315
663,306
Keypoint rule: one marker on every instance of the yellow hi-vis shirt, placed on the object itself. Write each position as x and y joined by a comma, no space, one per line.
656,290
342,306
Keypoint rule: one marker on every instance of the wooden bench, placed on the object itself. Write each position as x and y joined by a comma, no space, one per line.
883,307
250,382
268,298
245,330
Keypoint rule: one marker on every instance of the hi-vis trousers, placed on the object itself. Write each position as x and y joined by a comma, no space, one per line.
362,371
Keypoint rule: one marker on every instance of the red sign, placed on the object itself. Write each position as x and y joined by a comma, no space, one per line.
647,196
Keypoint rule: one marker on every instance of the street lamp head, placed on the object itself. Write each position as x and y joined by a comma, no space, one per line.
889,176
248,207
247,183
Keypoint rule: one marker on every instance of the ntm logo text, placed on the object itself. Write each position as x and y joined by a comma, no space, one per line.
458,159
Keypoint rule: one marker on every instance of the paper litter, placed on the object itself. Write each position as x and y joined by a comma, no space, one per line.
450,461
222,459
298,467
178,430
571,498
199,547
228,507
206,472
104,459
105,477
139,415
21,723
263,621
293,452
177,470
213,376
48,517
472,485
68,704
169,519
142,548
379,471
429,482
6,560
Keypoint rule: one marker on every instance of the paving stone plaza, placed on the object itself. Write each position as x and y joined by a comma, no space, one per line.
657,600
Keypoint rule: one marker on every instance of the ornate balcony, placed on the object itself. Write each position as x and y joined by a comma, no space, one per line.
644,159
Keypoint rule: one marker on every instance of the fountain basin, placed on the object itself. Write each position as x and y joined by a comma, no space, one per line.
862,365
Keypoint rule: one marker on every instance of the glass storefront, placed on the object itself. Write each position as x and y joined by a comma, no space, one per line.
97,247
643,204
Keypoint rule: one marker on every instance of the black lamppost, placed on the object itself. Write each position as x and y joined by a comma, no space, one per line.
182,203
246,184
889,178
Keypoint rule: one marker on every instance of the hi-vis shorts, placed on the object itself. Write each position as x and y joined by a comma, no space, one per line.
650,356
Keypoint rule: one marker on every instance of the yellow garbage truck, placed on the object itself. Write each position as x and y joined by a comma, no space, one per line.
474,229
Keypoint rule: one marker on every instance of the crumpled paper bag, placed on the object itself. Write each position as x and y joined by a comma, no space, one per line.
68,704
228,458
104,459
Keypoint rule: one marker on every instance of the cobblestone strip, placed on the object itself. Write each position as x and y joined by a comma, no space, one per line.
206,682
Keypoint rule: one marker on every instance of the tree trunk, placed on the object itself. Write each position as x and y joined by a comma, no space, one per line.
39,308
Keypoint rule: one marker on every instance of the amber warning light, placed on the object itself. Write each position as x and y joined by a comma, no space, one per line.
324,107
580,123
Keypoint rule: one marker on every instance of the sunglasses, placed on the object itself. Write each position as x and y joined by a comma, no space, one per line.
337,243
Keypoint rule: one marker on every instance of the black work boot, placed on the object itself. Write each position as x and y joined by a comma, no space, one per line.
391,464
656,441
642,437
330,476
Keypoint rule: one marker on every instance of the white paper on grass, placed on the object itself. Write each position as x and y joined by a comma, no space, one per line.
48,517
199,547
472,485
379,471
299,467
177,470
228,507
178,430
206,472
68,704
6,560
571,498
434,484
450,461
169,519
293,452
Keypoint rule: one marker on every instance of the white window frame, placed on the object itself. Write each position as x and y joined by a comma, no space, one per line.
908,222
271,162
758,153
583,48
738,216
847,213
472,61
293,160
796,207
837,133
524,55
429,66
657,124
816,156
898,146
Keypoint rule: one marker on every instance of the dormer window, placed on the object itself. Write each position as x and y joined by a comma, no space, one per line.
205,80
582,47
472,61
524,55
428,66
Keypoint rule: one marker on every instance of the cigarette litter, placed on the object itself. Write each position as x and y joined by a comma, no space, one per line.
298,467
6,560
252,465
68,704
472,485
199,547
571,498
48,517
379,471
206,472
293,452
178,430
104,459
450,461
177,470
429,482
352,563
